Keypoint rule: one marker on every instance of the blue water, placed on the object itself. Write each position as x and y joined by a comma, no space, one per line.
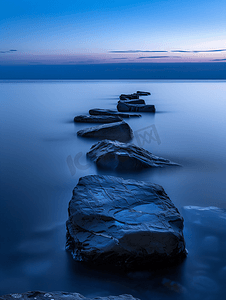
42,159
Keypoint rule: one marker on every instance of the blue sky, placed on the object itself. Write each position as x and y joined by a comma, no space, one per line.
70,32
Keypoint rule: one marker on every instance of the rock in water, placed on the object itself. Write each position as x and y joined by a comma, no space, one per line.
129,96
136,101
124,107
119,131
97,119
123,223
108,112
140,93
120,156
37,295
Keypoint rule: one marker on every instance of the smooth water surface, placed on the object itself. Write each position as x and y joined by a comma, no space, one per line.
42,159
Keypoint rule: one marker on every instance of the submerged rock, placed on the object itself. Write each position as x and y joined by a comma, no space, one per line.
122,106
123,223
136,101
37,295
120,156
119,131
97,119
129,96
108,112
140,93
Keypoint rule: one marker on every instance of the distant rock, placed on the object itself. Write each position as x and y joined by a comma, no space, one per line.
129,96
108,112
120,156
140,93
37,295
135,101
97,119
119,131
123,223
125,107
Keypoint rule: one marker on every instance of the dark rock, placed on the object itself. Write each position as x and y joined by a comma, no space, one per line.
129,96
119,131
108,112
123,223
135,101
97,119
37,295
120,156
140,93
124,107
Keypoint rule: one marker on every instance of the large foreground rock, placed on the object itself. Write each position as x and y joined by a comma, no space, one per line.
108,112
123,223
126,107
97,119
119,131
37,295
121,156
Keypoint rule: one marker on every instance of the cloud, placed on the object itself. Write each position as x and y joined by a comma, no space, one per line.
180,51
8,51
219,59
164,51
120,57
163,56
198,51
141,57
136,51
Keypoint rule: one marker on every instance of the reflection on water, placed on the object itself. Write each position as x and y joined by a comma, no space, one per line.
37,141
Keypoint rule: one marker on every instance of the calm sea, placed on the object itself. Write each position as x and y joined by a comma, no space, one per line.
42,159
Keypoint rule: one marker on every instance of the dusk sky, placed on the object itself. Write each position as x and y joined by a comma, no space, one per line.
72,32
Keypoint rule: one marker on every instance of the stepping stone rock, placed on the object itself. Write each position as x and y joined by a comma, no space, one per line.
124,107
129,96
97,119
138,101
108,112
123,223
120,156
140,93
119,131
37,295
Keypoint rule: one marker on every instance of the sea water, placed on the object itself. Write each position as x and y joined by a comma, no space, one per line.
42,159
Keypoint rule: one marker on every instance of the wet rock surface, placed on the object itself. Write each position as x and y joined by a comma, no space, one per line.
108,112
126,107
129,96
136,101
123,223
38,295
97,119
120,131
123,156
